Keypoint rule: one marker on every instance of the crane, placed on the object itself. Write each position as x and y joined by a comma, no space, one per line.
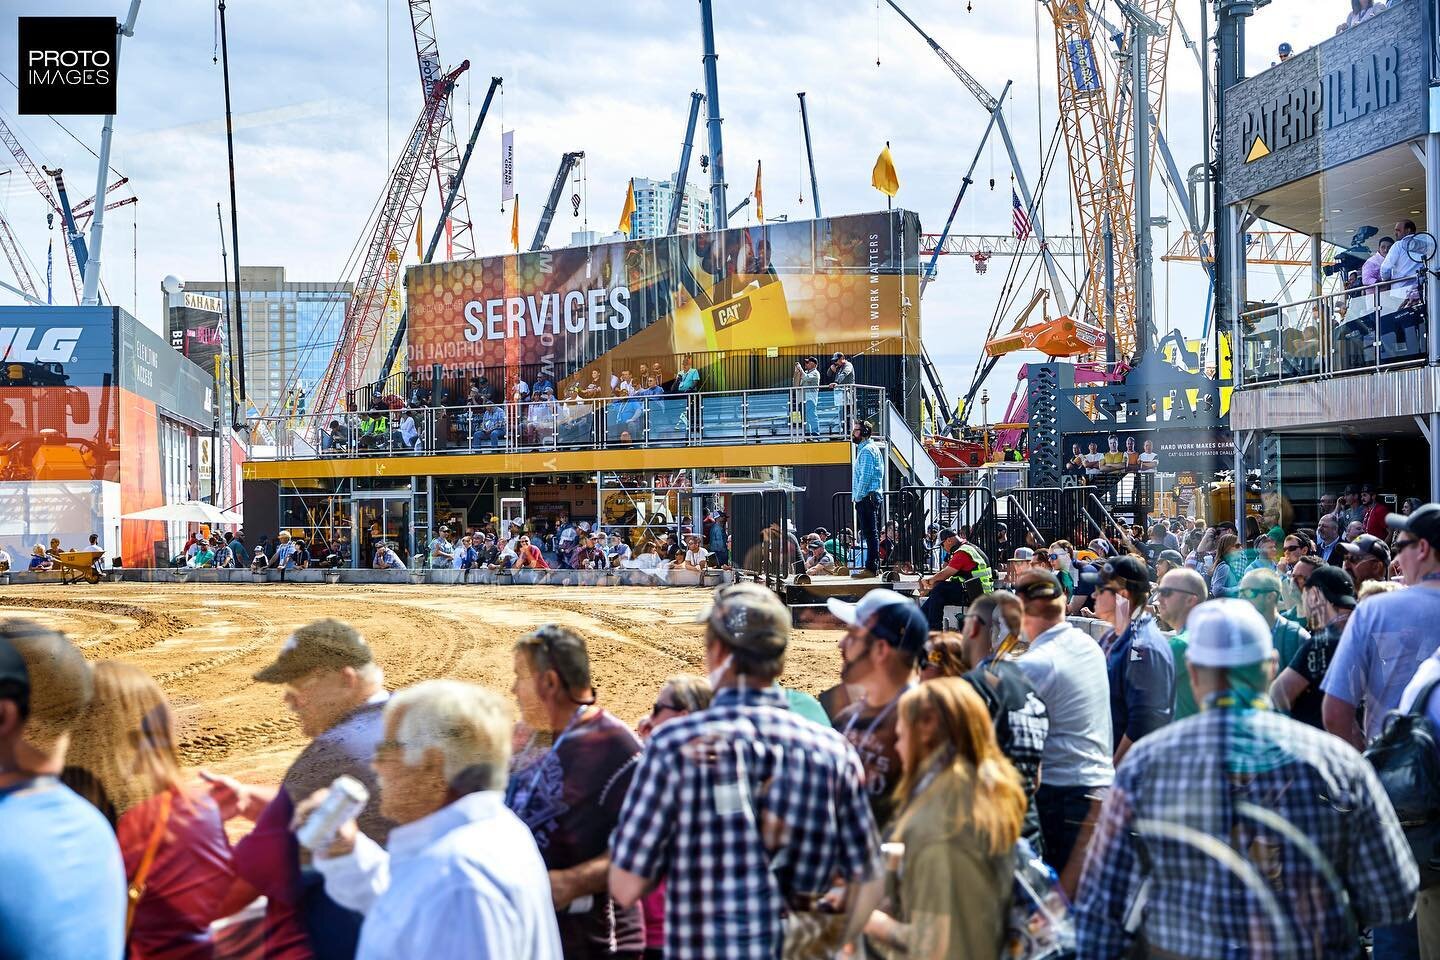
393,353
1101,155
390,234
17,263
446,161
718,212
677,202
542,229
27,166
996,109
1061,337
809,155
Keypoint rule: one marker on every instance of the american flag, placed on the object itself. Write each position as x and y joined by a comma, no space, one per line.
1022,221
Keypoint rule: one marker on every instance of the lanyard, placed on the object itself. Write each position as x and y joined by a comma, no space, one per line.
879,717
1230,699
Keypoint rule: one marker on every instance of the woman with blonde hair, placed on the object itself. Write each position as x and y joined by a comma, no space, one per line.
961,816
123,759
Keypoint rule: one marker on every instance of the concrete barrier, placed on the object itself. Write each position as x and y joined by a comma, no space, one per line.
539,578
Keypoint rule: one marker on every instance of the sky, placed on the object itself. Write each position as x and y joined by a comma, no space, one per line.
325,93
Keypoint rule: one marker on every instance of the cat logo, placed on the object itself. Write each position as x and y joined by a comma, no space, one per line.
56,345
729,314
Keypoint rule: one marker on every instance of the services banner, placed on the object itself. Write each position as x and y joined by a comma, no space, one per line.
849,281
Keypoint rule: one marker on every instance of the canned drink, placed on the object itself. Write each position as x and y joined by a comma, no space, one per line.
347,797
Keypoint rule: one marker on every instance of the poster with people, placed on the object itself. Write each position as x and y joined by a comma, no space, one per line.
1120,452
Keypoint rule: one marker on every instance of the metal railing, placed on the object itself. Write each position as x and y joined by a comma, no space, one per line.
1363,328
785,415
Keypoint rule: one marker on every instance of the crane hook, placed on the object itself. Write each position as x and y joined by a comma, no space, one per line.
575,203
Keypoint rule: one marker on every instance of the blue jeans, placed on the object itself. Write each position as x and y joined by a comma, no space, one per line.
812,421
1400,941
867,517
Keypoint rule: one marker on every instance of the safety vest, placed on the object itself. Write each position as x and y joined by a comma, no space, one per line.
982,571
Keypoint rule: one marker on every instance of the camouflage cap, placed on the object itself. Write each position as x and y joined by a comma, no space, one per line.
327,644
749,617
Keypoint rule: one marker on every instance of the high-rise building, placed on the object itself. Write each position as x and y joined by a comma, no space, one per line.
290,329
652,208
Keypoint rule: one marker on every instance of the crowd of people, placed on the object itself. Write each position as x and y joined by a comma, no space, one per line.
540,413
1196,772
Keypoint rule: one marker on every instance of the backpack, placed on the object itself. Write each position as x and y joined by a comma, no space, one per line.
1406,757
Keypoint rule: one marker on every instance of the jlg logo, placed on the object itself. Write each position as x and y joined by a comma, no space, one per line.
56,345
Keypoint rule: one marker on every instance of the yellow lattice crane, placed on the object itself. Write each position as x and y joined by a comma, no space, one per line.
1099,146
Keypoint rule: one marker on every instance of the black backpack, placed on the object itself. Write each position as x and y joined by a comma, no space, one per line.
1406,756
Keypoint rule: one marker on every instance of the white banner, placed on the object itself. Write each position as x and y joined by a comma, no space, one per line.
507,165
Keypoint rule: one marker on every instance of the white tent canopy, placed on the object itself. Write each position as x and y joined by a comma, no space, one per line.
188,511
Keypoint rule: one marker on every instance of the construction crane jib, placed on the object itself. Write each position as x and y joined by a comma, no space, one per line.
995,108
384,252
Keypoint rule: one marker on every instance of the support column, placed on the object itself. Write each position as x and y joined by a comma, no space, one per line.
1243,439
1317,264
1432,226
1434,439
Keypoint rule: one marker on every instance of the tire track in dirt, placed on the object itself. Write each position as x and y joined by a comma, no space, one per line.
152,626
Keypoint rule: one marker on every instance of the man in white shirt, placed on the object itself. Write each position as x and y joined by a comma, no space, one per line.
461,875
1399,264
1067,670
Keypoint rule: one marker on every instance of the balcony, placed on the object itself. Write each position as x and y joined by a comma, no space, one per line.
1364,329
729,419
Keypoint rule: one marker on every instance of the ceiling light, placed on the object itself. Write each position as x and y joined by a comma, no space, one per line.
1415,213
1406,189
1334,211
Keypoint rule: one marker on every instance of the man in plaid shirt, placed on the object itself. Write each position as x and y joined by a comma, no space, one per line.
1239,832
749,812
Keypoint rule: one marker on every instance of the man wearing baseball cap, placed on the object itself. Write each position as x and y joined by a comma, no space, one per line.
1138,660
1362,675
885,636
1367,558
334,687
1067,670
1212,782
1329,599
773,800
964,577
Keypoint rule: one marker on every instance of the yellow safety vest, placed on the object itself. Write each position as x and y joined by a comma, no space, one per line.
982,571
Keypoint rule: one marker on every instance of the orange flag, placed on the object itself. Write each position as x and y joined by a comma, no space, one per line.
515,224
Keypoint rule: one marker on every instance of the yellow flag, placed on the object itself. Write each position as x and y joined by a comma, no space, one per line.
759,197
628,210
515,224
419,232
883,177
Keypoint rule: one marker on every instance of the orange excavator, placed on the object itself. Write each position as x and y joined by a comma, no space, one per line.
1060,337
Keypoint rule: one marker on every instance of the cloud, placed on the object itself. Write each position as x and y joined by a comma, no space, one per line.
312,84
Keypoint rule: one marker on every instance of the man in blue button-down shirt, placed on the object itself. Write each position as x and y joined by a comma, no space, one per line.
867,476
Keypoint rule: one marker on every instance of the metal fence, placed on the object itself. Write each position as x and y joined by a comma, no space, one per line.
786,415
1364,328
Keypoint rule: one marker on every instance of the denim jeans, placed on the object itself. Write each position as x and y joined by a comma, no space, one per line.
867,517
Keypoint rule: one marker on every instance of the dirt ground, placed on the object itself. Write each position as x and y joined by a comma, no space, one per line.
202,642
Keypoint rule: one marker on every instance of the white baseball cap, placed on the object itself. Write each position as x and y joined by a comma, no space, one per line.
1227,633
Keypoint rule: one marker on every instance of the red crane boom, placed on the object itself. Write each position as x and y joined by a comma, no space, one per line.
379,273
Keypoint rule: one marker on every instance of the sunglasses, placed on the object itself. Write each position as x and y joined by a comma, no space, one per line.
1402,545
662,705
1166,591
1256,593
1292,547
